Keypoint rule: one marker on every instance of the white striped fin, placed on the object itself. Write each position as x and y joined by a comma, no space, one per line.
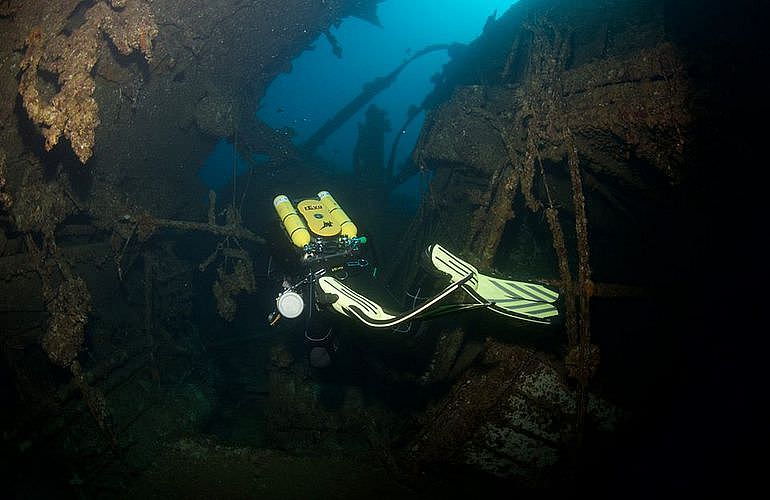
347,297
353,304
495,289
455,267
528,301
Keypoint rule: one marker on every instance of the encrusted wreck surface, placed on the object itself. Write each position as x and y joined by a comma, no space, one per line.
107,110
620,98
72,111
565,144
573,125
511,415
168,75
110,75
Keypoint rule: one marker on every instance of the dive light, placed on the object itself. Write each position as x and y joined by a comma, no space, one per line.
290,304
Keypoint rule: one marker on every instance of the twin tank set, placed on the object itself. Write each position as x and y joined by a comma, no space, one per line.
325,217
328,241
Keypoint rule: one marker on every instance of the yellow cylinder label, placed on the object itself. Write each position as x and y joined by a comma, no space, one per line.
291,221
317,218
347,228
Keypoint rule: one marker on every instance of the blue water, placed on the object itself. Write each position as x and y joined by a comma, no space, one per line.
218,168
321,83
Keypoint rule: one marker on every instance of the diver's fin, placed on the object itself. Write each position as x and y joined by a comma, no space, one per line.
516,299
355,305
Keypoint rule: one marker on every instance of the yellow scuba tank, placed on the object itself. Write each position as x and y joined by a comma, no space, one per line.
291,221
347,228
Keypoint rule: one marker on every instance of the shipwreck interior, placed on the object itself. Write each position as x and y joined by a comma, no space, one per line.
603,148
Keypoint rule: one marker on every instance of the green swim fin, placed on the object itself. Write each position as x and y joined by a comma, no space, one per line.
516,299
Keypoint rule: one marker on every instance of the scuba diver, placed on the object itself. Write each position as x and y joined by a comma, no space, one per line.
328,251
